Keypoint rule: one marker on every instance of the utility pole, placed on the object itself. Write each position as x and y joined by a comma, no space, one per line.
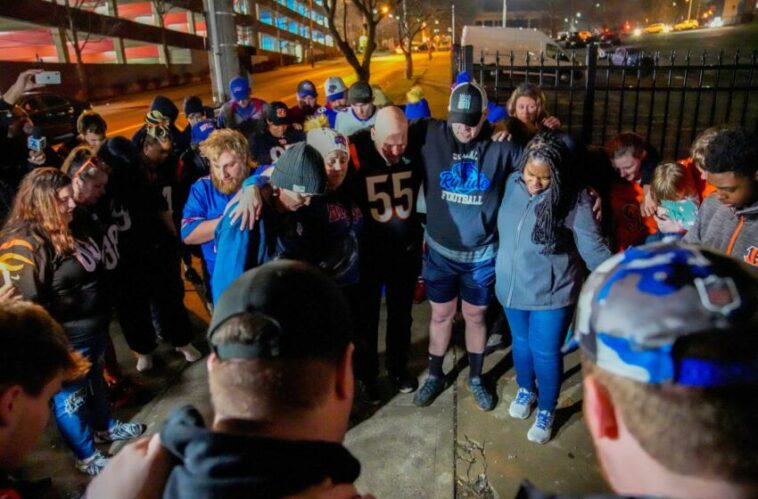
505,11
453,40
222,40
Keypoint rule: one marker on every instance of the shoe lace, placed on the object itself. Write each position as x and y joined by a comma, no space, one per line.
479,392
523,397
544,419
429,387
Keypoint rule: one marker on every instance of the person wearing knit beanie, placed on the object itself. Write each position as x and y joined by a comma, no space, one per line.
417,105
334,148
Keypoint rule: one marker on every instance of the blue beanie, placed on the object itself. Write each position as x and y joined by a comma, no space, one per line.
417,110
201,130
462,77
495,113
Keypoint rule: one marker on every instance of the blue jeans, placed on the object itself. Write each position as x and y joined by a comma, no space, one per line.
81,406
537,339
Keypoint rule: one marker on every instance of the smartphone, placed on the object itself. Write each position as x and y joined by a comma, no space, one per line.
48,78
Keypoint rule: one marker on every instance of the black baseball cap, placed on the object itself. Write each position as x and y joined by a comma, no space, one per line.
467,103
296,309
360,93
278,114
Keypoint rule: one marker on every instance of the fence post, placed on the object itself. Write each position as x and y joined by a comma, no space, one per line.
456,60
588,112
468,61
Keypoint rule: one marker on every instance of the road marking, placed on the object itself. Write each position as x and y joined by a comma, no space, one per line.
118,132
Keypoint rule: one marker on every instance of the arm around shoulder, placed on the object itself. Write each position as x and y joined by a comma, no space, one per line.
588,236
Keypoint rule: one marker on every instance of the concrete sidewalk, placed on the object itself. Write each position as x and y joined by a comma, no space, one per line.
447,450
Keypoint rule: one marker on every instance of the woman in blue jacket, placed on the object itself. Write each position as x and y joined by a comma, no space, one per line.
547,235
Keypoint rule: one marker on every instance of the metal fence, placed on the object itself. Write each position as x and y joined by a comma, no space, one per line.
667,98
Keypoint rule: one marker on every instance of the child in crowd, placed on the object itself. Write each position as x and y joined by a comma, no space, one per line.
678,201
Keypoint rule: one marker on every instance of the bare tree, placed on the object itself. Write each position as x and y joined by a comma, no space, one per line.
69,32
372,12
413,17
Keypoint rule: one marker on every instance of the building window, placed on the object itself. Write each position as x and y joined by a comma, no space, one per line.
329,41
265,16
281,22
268,42
241,7
245,35
293,27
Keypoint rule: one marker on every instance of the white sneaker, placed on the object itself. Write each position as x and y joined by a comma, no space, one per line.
522,404
93,465
542,428
144,362
191,354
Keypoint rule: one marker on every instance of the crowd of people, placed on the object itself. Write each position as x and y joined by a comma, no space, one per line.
302,218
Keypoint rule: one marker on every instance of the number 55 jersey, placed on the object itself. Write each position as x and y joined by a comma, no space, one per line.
387,194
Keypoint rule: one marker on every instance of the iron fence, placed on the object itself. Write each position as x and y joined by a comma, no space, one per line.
667,98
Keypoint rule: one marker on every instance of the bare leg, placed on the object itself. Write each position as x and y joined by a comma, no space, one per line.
441,326
476,327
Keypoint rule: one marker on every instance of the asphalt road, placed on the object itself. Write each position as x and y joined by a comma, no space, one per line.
124,115
728,39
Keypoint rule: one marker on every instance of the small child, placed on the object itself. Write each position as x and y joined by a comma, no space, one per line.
678,201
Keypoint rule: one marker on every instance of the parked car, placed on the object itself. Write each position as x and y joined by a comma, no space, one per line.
574,41
657,28
687,24
609,38
632,57
54,113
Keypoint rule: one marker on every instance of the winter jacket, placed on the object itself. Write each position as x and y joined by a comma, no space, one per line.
722,228
525,278
225,465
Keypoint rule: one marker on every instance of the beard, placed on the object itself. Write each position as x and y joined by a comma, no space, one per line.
230,186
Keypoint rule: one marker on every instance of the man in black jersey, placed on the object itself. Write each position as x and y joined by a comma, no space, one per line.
266,146
387,183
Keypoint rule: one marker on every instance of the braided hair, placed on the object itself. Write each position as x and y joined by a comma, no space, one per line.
547,148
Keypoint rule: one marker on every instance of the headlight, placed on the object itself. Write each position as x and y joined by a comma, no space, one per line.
637,32
666,28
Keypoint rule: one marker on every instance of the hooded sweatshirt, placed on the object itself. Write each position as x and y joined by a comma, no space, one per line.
722,228
464,186
213,464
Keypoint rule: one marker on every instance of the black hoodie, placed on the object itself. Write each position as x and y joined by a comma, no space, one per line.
212,464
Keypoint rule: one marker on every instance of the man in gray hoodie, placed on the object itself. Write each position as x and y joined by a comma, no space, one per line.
728,219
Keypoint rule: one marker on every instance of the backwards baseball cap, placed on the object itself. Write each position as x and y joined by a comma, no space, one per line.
638,309
239,88
297,310
300,169
157,125
278,114
334,88
467,103
326,140
306,88
360,93
201,130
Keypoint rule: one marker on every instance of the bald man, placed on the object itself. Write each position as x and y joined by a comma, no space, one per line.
387,177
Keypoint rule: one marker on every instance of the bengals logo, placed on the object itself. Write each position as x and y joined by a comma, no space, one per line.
751,256
281,112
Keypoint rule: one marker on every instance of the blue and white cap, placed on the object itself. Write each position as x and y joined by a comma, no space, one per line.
636,307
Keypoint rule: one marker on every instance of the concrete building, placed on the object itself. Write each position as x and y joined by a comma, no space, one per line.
151,43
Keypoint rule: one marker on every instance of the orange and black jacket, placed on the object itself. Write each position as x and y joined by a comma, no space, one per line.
722,228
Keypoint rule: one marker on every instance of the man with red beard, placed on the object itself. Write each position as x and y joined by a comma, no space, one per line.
227,151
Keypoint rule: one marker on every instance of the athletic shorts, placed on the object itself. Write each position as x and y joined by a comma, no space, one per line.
447,279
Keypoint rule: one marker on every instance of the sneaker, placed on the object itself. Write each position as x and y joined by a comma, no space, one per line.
483,397
521,406
93,465
542,428
494,342
191,354
368,392
404,381
144,362
429,391
120,431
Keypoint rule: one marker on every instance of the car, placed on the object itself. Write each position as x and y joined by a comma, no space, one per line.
609,38
687,24
54,113
657,28
574,41
629,56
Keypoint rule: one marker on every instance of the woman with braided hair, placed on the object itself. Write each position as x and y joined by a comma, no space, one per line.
547,235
